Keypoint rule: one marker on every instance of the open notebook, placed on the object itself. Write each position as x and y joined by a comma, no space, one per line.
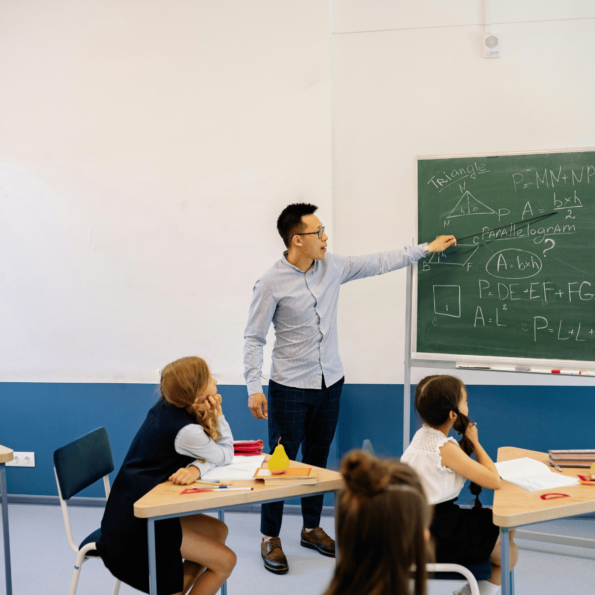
240,468
532,475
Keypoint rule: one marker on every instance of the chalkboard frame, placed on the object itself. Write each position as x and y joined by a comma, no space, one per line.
416,358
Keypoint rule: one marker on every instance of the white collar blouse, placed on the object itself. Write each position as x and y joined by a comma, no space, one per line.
423,455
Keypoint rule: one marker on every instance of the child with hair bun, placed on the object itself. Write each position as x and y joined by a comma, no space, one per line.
462,536
382,529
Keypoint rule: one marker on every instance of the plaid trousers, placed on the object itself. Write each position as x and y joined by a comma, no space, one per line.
306,417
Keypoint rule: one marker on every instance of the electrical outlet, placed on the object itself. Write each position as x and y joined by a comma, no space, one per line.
22,459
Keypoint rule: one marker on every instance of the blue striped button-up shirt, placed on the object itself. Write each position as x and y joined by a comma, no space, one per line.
303,310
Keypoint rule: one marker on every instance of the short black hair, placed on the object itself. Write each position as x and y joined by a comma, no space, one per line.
290,220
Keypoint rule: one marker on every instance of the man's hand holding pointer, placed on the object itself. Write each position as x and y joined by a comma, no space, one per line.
441,243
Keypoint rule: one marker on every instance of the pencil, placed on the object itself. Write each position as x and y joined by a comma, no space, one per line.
214,482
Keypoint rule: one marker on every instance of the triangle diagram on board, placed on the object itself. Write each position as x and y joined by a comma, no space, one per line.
469,205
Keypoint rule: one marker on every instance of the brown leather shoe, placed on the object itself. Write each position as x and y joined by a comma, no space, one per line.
273,556
317,539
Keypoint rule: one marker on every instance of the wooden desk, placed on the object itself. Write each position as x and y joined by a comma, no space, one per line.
514,507
5,456
165,501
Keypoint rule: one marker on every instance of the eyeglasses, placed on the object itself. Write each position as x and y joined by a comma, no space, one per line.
319,233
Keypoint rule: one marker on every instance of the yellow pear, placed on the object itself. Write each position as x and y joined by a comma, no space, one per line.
279,461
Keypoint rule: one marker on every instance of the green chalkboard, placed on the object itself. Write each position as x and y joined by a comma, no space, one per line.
524,291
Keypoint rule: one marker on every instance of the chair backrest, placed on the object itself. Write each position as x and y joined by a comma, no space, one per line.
83,462
368,448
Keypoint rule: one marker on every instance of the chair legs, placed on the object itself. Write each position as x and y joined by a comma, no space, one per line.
458,569
81,558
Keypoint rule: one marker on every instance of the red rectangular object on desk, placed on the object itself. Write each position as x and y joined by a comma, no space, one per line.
248,448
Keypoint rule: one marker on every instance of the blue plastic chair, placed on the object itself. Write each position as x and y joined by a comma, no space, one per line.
450,572
78,465
368,448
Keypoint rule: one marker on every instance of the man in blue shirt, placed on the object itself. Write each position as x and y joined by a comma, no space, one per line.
299,294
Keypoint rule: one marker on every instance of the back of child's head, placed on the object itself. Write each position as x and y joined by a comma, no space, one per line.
181,382
435,397
382,519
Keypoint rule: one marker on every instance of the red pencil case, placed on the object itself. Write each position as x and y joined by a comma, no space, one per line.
248,448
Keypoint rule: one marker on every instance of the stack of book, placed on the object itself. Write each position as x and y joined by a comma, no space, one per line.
572,458
247,448
292,476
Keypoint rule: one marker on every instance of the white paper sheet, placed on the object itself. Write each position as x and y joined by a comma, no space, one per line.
532,475
239,468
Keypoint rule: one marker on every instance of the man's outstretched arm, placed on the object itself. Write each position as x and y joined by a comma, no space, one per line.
360,267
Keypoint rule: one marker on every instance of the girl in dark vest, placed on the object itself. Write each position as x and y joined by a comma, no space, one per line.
185,424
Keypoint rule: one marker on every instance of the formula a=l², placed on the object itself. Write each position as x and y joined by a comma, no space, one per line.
540,323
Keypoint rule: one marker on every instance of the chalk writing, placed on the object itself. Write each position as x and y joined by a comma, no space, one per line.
443,179
524,285
514,263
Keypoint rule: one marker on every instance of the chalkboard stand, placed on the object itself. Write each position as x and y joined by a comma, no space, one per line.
411,362
407,376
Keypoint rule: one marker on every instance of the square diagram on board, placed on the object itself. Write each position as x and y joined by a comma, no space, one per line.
447,300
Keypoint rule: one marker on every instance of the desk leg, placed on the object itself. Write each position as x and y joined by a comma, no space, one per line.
5,529
152,557
512,582
336,493
505,561
222,519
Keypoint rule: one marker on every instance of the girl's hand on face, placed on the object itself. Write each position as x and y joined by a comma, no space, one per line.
217,400
472,433
185,476
208,403
213,403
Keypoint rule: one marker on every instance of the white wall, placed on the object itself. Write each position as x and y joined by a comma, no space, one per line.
146,150
147,147
409,78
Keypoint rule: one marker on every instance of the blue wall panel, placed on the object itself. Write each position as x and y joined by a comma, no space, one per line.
373,412
42,417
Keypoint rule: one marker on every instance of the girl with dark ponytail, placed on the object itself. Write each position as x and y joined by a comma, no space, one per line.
462,536
382,529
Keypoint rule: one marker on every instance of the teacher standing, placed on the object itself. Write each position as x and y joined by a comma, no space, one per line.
299,294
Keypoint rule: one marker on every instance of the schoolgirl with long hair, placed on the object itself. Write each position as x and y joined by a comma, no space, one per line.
184,435
462,536
382,529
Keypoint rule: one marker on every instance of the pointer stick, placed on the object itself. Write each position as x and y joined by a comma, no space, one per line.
496,228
